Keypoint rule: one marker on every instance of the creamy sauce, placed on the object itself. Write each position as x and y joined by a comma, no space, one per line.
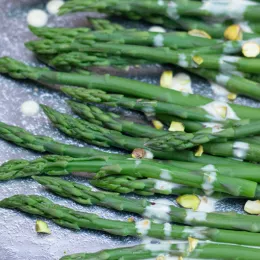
208,185
182,62
54,6
245,27
228,63
209,168
207,204
216,127
182,82
172,11
158,40
166,175
166,186
30,108
167,230
143,227
37,18
196,232
158,211
212,110
195,216
222,79
220,92
240,149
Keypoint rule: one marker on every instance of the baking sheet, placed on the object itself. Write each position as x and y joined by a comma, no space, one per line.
18,239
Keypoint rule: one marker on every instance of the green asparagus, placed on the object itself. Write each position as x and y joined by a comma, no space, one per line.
70,218
124,86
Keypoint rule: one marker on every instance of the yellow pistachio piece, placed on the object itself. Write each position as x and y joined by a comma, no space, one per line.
234,33
42,227
232,96
189,201
197,59
250,49
199,33
193,242
157,124
166,79
199,151
252,207
222,111
176,127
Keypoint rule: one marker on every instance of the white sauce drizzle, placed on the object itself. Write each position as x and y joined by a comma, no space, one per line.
228,63
207,204
208,185
182,62
256,40
54,6
160,2
138,162
143,227
212,109
167,230
229,47
148,155
216,127
37,18
158,211
30,108
222,79
158,40
196,232
182,82
165,174
194,215
166,186
220,92
233,9
157,29
245,27
172,11
209,168
163,246
240,149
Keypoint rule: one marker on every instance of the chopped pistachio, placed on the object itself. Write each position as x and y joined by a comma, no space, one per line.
232,96
199,151
176,127
197,59
42,227
157,124
193,242
234,33
252,207
189,201
250,49
199,33
166,79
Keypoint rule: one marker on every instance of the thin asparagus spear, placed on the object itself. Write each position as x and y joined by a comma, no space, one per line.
101,167
200,251
124,86
70,218
86,196
245,10
104,24
37,143
113,121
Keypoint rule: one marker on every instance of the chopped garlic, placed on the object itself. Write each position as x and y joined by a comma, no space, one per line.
42,227
197,59
199,33
189,201
157,124
250,49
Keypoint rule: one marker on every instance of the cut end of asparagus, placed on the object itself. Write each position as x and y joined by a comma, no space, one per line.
252,207
234,33
251,49
166,79
140,153
176,127
199,151
199,33
42,227
189,201
157,124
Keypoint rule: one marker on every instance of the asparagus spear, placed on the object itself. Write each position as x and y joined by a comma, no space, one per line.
248,10
37,143
174,40
101,166
104,24
86,196
114,84
70,218
236,149
113,121
200,251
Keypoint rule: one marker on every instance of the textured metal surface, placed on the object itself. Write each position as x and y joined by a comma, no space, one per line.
18,239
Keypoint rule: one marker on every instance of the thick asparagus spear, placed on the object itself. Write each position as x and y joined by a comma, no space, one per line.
101,166
70,218
164,251
244,10
113,121
116,85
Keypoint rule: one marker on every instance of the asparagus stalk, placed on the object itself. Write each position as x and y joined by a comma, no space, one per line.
104,24
200,251
124,86
37,143
174,40
70,218
85,196
113,121
237,149
101,167
248,10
